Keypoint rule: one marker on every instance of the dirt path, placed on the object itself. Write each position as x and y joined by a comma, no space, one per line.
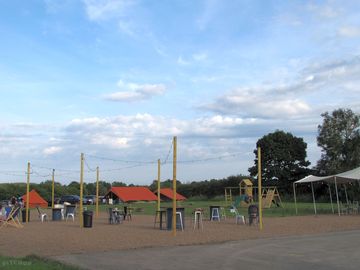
60,238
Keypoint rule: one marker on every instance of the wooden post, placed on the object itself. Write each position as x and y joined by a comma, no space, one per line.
158,187
313,195
174,188
28,192
296,210
81,189
259,187
97,192
53,189
332,206
337,196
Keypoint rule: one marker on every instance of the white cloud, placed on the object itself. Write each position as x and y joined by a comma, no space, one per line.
98,10
200,56
208,13
182,62
295,98
325,11
258,103
135,92
349,31
52,150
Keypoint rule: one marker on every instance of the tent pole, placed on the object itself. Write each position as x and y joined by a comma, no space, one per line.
296,210
346,196
332,206
337,196
312,190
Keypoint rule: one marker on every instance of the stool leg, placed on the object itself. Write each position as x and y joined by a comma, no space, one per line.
195,220
181,222
155,219
201,220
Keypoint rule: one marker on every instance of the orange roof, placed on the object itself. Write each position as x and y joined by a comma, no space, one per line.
168,192
35,199
133,194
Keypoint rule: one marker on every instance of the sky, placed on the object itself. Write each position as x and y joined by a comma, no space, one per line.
117,79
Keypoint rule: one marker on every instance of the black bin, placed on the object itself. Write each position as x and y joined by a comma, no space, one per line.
253,212
56,214
88,215
169,212
23,215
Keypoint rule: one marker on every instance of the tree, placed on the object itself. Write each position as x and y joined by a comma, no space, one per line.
339,138
283,159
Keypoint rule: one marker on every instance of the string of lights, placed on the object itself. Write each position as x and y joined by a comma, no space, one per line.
88,166
168,154
122,160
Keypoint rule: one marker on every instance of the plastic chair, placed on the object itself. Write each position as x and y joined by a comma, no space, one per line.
239,219
70,212
42,216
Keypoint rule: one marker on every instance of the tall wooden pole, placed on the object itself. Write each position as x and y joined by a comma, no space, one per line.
53,189
97,191
313,195
81,189
296,210
259,188
158,187
174,188
28,192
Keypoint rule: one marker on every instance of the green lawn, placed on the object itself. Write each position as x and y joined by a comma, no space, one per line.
288,209
32,263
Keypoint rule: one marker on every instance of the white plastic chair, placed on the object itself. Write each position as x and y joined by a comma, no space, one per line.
70,212
42,216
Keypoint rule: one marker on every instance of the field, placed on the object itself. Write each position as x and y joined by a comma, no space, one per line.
32,263
288,209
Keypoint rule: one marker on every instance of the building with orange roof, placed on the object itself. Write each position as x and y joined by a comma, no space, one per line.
166,194
130,194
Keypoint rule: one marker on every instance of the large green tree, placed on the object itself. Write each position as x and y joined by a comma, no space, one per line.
283,159
339,138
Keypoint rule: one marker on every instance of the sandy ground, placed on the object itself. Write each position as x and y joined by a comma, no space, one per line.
59,237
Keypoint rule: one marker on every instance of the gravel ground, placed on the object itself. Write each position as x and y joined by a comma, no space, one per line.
61,238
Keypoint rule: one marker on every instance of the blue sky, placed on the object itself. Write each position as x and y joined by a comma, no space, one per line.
117,79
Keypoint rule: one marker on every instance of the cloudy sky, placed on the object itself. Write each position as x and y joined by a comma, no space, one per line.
117,79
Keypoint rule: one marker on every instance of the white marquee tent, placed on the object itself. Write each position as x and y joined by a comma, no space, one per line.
341,178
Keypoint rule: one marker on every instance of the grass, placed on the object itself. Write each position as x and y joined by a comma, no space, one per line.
288,209
32,263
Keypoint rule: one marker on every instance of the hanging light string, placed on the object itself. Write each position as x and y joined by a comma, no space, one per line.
168,154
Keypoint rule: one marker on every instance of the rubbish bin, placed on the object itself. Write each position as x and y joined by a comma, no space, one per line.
169,217
88,215
253,212
23,214
56,214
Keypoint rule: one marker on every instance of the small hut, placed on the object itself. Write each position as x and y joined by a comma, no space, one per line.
246,188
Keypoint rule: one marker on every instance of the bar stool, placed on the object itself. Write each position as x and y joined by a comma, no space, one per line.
181,220
160,213
215,214
198,219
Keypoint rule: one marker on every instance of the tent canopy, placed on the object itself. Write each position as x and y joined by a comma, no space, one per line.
35,199
345,177
341,178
